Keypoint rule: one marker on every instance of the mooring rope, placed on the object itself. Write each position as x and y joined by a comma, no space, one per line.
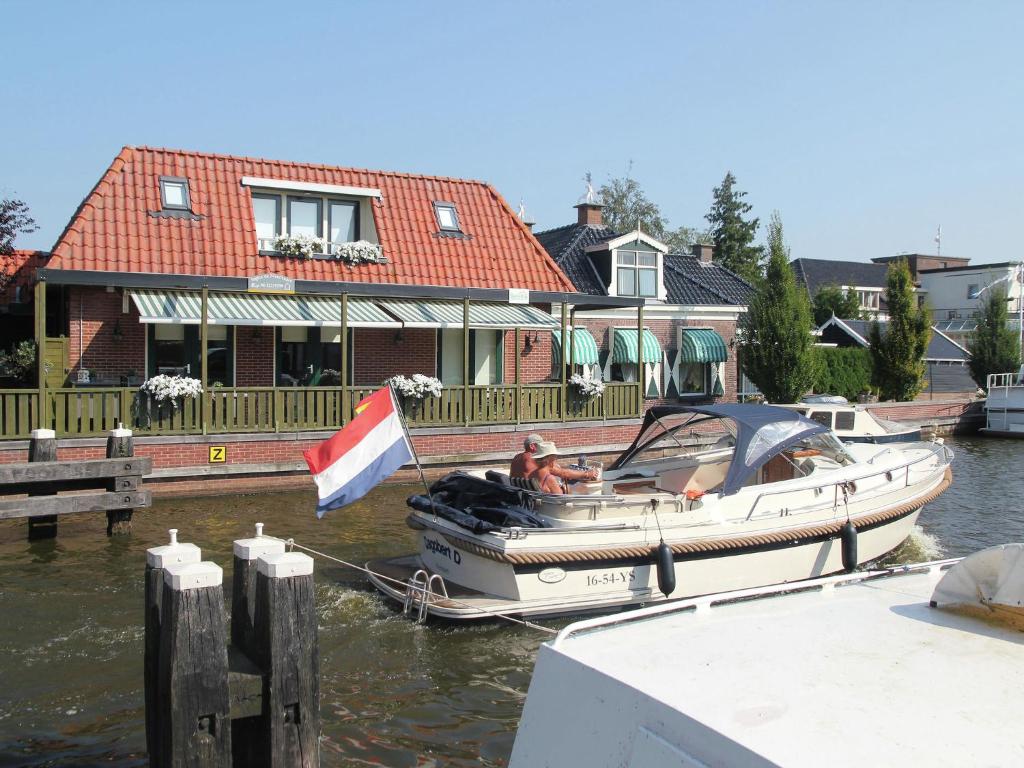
292,544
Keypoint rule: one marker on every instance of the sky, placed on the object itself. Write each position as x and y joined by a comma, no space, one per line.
865,125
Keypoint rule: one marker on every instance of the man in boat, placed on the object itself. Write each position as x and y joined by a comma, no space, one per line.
525,464
546,455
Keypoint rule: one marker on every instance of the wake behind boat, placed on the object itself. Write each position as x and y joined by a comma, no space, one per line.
778,498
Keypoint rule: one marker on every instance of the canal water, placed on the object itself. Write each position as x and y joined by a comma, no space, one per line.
393,693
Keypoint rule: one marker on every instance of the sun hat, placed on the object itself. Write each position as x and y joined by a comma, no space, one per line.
545,448
532,439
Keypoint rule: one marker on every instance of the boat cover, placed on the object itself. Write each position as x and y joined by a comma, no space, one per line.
477,504
762,432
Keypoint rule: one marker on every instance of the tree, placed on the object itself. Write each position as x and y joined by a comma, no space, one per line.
776,344
994,347
731,234
831,300
681,240
14,219
898,354
626,207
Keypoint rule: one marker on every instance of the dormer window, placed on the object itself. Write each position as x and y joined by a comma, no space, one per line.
174,194
637,273
266,209
447,218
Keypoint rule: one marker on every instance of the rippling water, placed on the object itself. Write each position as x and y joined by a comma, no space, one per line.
393,693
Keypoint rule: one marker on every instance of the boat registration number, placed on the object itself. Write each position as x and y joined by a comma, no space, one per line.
611,578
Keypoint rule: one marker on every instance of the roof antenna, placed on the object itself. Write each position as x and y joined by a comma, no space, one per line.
938,241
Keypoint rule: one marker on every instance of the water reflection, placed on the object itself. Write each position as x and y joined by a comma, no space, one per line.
394,693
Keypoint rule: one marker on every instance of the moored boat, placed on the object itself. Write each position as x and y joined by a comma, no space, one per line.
1004,405
853,423
776,499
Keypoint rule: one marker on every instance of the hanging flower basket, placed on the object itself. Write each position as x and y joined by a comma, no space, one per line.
584,387
415,387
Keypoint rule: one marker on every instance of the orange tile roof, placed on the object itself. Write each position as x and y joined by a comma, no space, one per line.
18,269
113,230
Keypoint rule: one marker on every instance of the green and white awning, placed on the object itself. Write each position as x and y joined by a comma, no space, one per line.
416,313
584,348
702,346
185,307
624,346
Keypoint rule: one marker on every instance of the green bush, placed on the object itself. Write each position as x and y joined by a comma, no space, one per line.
843,371
20,363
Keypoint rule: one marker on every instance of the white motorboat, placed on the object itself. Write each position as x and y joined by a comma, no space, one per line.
1004,406
853,423
776,499
914,665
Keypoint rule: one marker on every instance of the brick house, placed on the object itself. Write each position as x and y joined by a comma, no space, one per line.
691,310
291,290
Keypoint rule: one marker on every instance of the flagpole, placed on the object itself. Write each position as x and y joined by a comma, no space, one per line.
408,439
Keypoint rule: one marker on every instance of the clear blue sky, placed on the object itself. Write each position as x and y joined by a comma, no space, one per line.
866,124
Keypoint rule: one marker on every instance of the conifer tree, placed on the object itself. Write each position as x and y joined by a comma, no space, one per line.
732,235
776,347
994,347
898,354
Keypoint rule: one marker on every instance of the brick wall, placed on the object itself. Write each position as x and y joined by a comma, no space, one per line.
535,365
254,356
377,355
93,314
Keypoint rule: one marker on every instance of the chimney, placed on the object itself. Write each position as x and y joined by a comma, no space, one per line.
703,252
589,214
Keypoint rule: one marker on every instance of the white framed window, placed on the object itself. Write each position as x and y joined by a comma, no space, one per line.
174,193
343,221
266,211
693,378
305,216
972,291
636,273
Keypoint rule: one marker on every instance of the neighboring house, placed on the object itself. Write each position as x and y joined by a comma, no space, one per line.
947,372
17,278
956,293
690,315
294,340
868,280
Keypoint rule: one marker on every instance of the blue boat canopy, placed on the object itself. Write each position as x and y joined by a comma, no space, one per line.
762,432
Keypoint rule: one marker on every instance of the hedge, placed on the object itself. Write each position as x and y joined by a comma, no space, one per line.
843,371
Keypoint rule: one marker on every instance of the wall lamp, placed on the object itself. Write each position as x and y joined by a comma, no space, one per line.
399,336
118,334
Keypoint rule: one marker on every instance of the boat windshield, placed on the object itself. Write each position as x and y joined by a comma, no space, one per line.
760,431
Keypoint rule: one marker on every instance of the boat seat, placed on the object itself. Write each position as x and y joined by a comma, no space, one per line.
526,483
497,477
707,477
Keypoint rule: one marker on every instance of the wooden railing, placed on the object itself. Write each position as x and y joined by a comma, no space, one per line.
90,412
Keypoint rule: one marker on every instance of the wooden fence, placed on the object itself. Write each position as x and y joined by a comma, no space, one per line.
91,412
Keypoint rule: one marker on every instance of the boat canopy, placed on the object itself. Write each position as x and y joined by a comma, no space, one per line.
762,432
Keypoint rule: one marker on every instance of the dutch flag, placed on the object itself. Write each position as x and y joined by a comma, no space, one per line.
367,450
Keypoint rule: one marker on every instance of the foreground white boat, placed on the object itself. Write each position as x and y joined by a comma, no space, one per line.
917,665
779,499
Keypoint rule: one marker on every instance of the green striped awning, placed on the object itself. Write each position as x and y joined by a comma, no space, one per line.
415,313
702,346
584,348
624,346
161,306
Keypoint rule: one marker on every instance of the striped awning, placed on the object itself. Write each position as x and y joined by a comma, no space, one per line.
624,346
702,346
584,348
185,307
415,313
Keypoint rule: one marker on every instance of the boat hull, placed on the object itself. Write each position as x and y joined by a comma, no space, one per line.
571,588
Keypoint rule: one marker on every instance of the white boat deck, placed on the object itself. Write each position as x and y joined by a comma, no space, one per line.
862,673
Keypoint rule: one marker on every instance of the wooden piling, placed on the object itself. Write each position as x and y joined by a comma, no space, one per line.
243,587
120,445
194,703
157,558
42,446
287,651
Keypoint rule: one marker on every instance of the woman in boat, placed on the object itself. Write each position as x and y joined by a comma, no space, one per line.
544,475
525,464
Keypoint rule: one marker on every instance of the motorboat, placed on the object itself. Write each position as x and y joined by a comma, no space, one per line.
802,674
1004,405
775,498
853,423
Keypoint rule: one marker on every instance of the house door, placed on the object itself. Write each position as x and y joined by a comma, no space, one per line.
485,357
55,362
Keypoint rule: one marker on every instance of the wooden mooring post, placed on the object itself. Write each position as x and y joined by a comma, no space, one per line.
255,702
43,488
